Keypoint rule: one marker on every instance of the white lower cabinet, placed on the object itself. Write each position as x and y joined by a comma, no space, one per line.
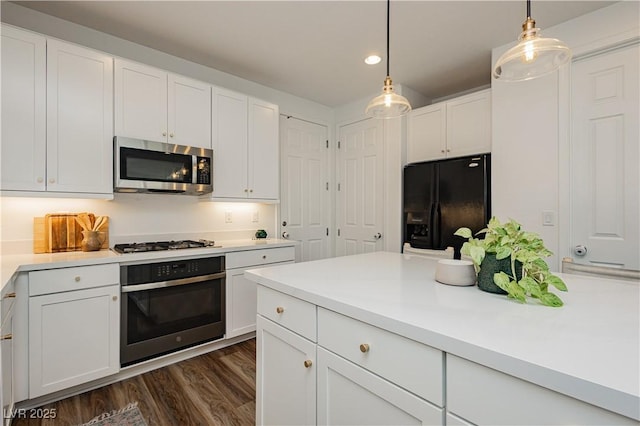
482,395
7,395
350,395
286,383
73,335
240,292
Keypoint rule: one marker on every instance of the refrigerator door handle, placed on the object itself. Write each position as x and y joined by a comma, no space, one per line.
437,228
432,225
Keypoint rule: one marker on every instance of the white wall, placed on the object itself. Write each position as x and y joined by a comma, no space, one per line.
530,126
149,214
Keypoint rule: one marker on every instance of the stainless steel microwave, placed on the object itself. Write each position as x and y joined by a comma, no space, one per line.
156,167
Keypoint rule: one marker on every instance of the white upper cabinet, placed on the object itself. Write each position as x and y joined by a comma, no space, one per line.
79,119
245,147
23,110
454,128
152,104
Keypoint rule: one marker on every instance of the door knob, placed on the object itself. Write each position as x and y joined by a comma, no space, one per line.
285,235
580,250
377,236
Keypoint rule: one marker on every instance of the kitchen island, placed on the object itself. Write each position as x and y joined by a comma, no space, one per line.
440,353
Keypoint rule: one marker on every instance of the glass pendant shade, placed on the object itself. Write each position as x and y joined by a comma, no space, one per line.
389,104
532,57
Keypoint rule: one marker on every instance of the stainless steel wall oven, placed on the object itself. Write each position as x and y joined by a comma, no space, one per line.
171,305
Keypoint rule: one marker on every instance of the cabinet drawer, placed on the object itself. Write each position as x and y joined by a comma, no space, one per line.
295,314
67,279
405,362
482,395
243,259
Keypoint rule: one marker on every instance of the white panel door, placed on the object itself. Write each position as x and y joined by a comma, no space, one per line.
79,119
229,143
426,134
264,158
305,201
140,101
350,395
285,376
23,110
360,190
605,181
189,112
73,338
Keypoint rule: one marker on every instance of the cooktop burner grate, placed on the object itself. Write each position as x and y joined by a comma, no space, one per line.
161,245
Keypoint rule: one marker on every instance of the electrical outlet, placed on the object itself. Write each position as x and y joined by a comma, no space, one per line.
228,217
255,217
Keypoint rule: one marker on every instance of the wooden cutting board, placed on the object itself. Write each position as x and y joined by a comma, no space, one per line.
61,232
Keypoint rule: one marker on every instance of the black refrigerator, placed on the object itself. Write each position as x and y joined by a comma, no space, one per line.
442,196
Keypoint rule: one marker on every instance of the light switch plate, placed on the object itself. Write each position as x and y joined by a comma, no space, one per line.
255,217
228,217
548,218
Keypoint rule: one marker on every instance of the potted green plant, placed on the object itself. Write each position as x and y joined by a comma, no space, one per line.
524,272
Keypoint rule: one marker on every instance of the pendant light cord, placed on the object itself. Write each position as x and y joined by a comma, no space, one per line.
388,59
528,8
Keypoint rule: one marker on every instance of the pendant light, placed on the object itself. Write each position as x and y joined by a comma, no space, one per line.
389,104
533,56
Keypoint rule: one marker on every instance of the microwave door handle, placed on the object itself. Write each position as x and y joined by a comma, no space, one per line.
172,283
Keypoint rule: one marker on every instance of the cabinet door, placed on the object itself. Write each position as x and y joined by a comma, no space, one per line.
6,367
229,144
140,101
426,134
189,112
285,377
469,124
73,338
23,110
79,119
350,395
241,298
263,150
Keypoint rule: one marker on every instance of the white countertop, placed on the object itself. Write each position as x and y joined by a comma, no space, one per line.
23,262
588,349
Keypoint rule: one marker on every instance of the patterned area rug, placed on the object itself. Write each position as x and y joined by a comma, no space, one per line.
127,416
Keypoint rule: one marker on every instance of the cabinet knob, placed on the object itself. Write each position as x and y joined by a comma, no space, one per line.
6,337
114,298
364,348
442,151
251,190
264,256
52,180
39,180
170,135
307,363
448,150
279,310
164,133
77,279
9,295
246,190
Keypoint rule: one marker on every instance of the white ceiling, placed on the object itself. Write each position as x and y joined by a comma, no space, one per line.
315,49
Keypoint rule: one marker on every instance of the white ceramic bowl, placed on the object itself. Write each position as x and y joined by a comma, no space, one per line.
455,272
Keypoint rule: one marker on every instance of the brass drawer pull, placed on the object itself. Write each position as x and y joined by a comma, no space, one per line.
7,337
279,310
77,279
308,363
9,295
364,348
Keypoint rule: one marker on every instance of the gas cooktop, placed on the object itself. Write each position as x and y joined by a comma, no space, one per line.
161,245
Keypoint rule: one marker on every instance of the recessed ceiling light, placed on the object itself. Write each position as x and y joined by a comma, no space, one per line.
372,60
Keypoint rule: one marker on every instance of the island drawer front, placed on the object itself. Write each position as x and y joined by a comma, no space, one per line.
69,279
244,259
482,395
292,313
404,362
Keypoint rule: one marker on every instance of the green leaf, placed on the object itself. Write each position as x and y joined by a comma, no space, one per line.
501,280
516,292
541,264
550,299
530,286
503,252
556,282
463,232
476,253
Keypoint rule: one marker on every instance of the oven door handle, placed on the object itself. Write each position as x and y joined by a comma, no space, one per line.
172,283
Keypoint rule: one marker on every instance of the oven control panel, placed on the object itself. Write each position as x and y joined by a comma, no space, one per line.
172,270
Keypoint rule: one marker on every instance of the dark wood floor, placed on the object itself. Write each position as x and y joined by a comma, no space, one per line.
217,388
